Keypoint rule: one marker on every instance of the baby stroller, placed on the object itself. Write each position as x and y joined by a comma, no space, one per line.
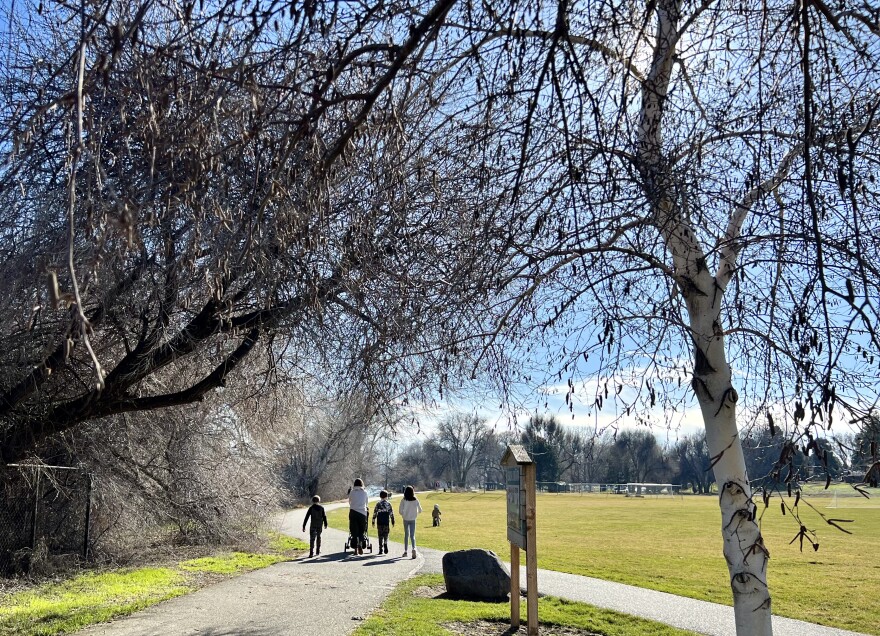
365,544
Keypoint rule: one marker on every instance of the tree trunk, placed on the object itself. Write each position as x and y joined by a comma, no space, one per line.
743,544
703,293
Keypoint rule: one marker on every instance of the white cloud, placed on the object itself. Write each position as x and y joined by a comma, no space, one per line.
664,423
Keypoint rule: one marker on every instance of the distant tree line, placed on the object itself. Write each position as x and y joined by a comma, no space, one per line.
464,452
631,455
774,460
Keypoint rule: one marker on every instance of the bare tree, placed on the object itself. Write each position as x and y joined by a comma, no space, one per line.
592,458
866,455
488,464
385,454
327,442
465,438
682,176
694,463
190,474
636,457
188,182
420,464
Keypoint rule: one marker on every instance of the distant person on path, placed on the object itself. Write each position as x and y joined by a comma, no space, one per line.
435,514
358,514
383,514
319,522
409,510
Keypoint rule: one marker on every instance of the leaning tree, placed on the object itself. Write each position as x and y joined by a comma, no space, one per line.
183,183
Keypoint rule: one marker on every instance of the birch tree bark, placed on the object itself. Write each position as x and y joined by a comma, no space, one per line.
712,382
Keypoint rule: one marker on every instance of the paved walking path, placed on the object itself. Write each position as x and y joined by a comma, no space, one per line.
332,593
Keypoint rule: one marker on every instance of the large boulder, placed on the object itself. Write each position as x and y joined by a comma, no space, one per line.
475,574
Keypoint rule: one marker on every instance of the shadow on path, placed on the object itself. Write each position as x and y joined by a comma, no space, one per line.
322,558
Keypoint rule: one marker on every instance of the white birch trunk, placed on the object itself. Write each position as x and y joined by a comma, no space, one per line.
703,292
744,548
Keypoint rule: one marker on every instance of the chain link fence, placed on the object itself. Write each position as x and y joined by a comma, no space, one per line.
44,516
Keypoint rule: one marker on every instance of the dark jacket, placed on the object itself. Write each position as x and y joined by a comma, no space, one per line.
383,513
316,512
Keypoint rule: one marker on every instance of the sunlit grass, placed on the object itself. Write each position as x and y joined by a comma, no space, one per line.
406,614
95,597
234,563
674,545
60,608
284,544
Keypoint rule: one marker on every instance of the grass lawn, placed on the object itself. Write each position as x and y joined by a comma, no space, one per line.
674,545
95,597
414,609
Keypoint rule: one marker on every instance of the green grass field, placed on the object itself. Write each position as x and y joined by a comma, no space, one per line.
674,545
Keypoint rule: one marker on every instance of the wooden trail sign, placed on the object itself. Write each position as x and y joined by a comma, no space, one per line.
519,471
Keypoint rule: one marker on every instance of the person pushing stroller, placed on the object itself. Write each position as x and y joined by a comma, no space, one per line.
358,515
383,514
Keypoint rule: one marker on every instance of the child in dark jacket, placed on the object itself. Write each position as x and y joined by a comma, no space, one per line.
319,517
383,514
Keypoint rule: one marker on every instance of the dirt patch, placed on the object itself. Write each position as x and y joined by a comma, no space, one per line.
11,586
429,591
439,592
489,628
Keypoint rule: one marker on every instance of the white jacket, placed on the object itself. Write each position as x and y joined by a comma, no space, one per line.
409,510
357,500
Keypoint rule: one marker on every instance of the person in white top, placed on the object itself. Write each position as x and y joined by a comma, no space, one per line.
358,515
409,510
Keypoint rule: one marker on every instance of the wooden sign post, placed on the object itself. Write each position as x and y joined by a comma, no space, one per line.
519,471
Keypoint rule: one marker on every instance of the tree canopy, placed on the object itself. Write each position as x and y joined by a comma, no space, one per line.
183,184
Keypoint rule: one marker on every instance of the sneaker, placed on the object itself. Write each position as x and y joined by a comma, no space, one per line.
360,550
414,554
405,553
386,549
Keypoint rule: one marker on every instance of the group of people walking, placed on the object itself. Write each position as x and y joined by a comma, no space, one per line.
359,516
383,517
